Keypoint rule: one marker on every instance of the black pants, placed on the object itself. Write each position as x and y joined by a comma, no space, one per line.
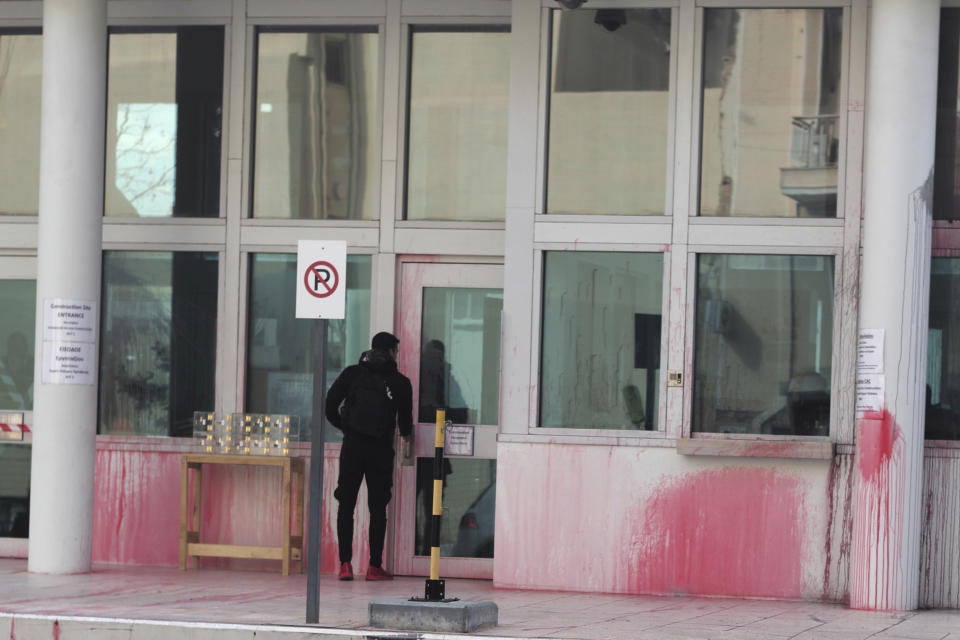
362,458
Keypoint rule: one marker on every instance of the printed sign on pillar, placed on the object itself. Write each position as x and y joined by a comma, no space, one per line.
321,279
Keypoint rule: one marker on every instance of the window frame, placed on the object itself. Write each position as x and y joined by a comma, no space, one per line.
574,433
836,357
436,25
548,11
682,234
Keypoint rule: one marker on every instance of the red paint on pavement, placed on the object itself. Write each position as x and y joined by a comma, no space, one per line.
734,531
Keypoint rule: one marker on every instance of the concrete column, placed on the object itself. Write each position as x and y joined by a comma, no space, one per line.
895,281
68,277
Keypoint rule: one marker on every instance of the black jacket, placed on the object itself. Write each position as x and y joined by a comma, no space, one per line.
399,385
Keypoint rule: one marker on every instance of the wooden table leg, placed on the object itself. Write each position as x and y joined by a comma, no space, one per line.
182,563
298,516
197,486
286,517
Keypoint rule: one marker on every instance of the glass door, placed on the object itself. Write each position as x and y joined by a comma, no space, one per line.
450,350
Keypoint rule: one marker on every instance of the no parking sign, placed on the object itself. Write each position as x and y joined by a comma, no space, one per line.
321,279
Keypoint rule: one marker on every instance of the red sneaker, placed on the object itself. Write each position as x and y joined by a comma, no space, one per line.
377,573
346,571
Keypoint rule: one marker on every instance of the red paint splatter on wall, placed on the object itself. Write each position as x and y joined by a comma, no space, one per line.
733,531
877,536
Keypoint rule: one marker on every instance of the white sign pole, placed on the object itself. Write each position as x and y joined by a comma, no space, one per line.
321,295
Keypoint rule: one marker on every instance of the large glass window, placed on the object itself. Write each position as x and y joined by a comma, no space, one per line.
280,347
943,351
771,99
315,153
601,340
460,358
457,136
764,335
609,108
157,341
20,72
946,177
18,299
14,490
164,108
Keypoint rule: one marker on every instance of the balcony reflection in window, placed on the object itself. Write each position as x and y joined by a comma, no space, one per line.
771,94
315,152
164,104
763,344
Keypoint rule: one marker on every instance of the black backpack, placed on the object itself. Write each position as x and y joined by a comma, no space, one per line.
369,407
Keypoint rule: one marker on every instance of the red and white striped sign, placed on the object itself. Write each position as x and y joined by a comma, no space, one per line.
13,431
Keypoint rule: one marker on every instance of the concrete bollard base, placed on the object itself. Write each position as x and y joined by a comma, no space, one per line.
461,616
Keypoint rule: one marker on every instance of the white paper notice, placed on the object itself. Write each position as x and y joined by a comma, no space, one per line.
69,341
869,392
69,363
69,320
458,440
870,351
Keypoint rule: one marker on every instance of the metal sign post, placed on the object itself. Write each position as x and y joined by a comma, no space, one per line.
321,295
315,536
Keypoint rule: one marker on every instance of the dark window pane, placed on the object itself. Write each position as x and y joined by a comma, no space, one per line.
164,107
157,341
770,133
943,351
763,344
946,176
280,346
469,504
600,356
14,490
18,299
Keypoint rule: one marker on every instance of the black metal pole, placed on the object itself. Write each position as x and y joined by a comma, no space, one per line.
435,587
314,542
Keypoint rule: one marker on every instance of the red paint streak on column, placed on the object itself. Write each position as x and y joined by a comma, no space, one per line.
13,627
734,531
56,630
877,523
877,436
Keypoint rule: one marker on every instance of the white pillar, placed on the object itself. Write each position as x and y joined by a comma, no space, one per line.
895,283
68,268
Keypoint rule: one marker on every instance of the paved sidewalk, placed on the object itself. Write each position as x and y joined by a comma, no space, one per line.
242,604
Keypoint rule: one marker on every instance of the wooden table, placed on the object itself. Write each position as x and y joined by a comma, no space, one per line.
291,546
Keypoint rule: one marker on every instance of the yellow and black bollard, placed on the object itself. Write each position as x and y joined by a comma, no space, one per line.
435,588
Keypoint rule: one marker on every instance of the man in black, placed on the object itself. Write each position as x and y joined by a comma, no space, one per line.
385,395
